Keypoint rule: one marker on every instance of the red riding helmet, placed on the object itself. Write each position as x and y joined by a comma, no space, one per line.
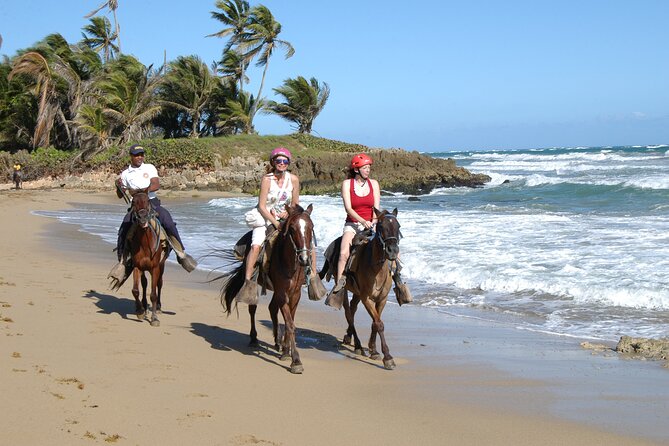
360,160
280,151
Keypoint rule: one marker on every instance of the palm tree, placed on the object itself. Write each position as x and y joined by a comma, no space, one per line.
129,92
233,66
60,76
95,129
304,100
261,39
188,87
99,37
235,15
35,66
236,117
112,5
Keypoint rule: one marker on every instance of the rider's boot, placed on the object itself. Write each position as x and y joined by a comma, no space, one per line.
185,260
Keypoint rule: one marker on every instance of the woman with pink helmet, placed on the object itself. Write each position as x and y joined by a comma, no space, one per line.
278,188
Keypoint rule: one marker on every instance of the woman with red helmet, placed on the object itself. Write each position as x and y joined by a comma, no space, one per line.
360,195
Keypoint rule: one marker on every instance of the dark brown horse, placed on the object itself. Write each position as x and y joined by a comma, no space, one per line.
369,280
147,253
289,267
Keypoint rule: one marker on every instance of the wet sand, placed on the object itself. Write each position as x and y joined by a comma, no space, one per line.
79,368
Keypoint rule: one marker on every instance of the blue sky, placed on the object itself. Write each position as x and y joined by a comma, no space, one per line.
430,75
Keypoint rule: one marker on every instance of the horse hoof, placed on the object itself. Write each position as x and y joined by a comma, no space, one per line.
347,340
296,369
359,351
375,356
155,323
140,316
284,357
388,364
253,343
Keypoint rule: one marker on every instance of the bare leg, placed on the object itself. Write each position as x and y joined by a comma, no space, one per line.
344,253
251,260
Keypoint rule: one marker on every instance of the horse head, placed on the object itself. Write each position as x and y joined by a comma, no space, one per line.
141,208
388,232
299,228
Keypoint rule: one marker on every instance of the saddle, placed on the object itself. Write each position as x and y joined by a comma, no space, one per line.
332,257
261,268
162,237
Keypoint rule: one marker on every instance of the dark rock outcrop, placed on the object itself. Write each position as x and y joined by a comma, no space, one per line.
644,348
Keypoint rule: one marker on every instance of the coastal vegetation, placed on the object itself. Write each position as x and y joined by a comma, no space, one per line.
234,163
73,108
88,96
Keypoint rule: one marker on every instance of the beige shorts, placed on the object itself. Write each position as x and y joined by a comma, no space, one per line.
354,227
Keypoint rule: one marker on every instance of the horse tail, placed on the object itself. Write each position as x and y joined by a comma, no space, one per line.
234,282
324,270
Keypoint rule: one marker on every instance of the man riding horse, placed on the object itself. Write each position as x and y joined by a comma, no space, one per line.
141,176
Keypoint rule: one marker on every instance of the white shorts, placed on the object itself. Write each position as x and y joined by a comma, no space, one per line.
354,227
259,234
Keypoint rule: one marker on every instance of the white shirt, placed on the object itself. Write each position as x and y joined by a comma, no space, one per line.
139,177
277,196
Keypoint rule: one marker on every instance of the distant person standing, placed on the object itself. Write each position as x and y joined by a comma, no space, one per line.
17,176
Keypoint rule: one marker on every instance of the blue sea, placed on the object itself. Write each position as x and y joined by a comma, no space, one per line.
567,241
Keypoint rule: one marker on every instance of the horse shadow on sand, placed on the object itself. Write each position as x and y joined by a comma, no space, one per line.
110,304
230,340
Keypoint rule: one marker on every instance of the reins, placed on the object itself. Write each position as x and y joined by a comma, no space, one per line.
377,234
305,250
150,215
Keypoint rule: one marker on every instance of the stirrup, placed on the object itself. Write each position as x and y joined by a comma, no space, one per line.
402,294
316,290
335,299
187,262
248,294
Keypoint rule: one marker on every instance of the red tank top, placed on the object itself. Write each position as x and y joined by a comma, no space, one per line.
362,205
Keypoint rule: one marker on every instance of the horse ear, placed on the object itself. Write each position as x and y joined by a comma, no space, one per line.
377,212
395,212
310,208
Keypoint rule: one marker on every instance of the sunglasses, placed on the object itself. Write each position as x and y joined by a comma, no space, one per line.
282,161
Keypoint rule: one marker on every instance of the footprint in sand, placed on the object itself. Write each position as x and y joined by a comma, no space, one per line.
241,440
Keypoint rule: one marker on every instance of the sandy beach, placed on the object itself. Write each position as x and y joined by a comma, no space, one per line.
79,368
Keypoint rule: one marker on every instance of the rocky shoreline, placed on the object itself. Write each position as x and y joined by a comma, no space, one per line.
395,169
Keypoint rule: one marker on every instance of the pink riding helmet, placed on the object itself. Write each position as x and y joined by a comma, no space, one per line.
280,151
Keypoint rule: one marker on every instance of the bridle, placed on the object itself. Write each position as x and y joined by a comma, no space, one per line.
303,250
146,214
385,240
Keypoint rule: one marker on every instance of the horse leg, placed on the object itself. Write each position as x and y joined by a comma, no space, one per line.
289,340
155,277
145,305
253,334
351,332
274,314
378,327
139,308
159,307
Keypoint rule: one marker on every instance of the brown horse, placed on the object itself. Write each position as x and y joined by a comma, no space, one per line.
147,253
369,279
289,268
